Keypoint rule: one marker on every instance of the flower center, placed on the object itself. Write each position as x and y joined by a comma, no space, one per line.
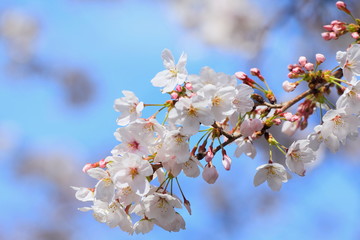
174,72
192,111
216,101
134,145
133,172
338,121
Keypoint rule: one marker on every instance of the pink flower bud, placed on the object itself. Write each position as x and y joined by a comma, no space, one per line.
337,29
241,75
302,61
297,70
288,116
210,174
319,58
328,27
226,161
355,35
174,95
188,86
289,86
277,121
294,118
336,22
342,6
187,206
291,75
178,88
102,163
255,71
209,154
332,35
326,36
87,167
309,66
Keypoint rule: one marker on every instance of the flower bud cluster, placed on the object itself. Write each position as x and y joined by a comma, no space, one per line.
334,30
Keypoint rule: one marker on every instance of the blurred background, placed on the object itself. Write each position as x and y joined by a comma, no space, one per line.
64,62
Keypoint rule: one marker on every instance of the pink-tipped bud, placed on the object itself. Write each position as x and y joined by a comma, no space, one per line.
289,86
294,118
309,66
241,75
302,61
210,174
178,88
226,161
297,70
174,95
288,116
255,71
337,29
87,167
188,86
326,36
342,6
320,58
187,205
328,27
355,35
292,75
209,154
277,121
102,163
332,35
336,22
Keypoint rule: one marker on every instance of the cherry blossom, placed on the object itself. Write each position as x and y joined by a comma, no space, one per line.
131,170
274,173
298,154
173,75
190,113
129,106
350,61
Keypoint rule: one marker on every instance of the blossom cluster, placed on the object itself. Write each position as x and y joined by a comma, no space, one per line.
214,110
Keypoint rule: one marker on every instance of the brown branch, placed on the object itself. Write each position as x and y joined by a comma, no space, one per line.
291,102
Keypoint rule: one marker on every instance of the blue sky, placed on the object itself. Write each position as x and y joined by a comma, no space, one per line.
120,44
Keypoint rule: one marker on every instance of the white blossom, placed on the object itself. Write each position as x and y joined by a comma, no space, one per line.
130,108
190,113
244,145
175,147
339,123
191,167
160,207
242,100
297,155
104,189
350,99
112,214
144,226
274,173
173,75
221,101
84,194
131,170
350,61
249,126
